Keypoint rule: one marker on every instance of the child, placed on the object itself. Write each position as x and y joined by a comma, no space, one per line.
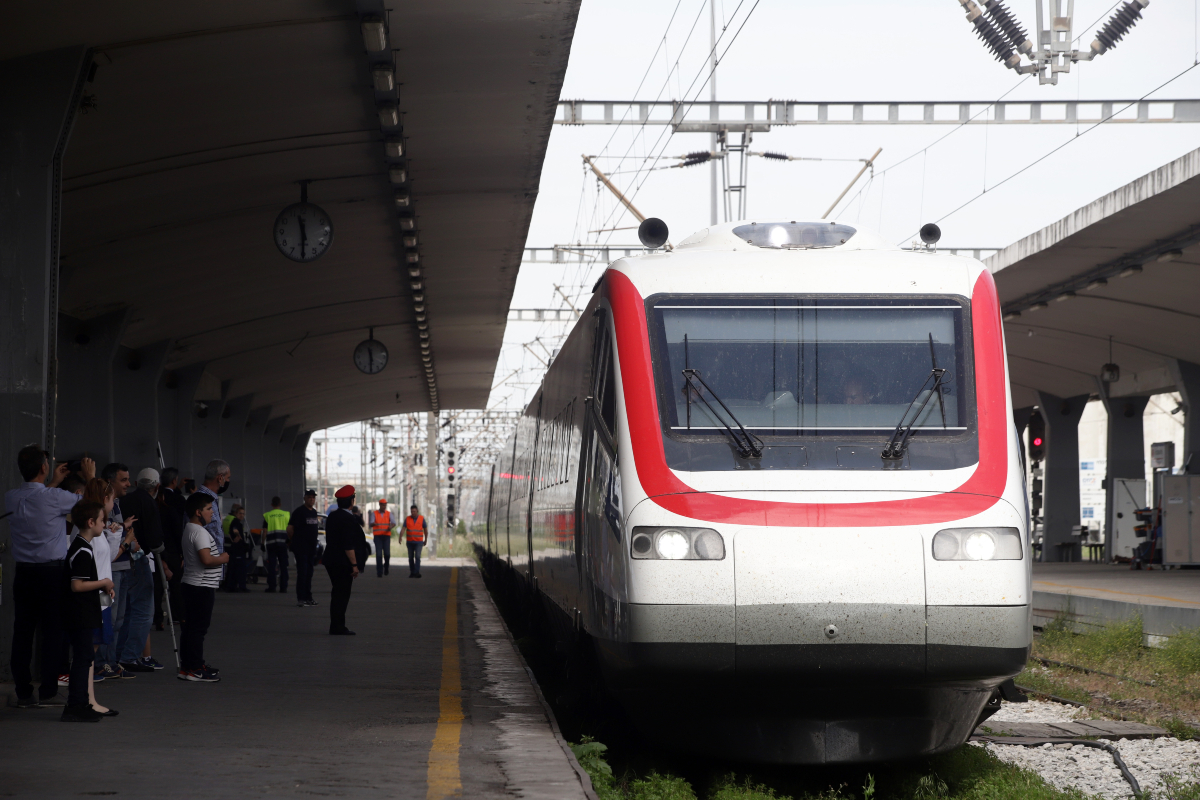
82,613
201,574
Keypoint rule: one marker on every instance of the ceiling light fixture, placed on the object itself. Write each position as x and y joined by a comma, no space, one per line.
1064,296
1097,283
398,174
384,77
1039,306
410,241
1170,255
374,35
408,224
394,148
389,116
1133,269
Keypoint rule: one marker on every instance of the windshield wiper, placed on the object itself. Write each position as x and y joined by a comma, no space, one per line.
898,443
748,445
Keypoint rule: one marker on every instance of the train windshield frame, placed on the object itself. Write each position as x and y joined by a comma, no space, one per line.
821,381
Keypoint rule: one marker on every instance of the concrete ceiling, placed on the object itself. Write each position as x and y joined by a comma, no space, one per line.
1152,315
199,123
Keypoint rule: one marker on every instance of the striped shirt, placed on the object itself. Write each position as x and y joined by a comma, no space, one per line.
196,538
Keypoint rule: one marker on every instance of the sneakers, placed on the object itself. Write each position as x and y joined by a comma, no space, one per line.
150,662
52,700
310,602
212,669
107,671
124,674
80,714
135,666
198,675
23,702
64,680
301,604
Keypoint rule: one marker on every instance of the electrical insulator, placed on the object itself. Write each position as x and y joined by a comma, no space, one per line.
1118,25
1004,19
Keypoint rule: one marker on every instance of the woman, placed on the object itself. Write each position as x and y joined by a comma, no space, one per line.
118,540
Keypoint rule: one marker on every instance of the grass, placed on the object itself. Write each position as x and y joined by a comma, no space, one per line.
968,773
1173,702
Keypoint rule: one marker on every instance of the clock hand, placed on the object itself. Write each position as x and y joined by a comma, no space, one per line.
303,234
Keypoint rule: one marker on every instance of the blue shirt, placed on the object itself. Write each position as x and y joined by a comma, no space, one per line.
39,522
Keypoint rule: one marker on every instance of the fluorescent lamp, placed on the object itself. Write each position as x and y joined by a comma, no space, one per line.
398,175
394,148
410,241
389,116
384,77
402,200
374,35
412,257
408,224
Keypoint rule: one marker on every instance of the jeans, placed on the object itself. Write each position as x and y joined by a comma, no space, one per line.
138,587
81,661
108,652
37,596
198,607
343,580
414,557
383,554
278,554
306,559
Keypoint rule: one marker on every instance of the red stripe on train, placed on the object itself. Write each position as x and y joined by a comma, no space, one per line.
974,496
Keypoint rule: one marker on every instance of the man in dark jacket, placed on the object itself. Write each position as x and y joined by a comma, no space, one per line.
343,534
139,615
173,516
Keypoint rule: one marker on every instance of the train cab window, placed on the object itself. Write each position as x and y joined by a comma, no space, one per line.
608,403
813,372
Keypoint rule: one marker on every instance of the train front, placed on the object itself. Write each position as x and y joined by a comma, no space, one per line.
825,549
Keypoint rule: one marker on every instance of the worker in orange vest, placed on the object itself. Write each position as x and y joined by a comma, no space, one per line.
415,531
381,528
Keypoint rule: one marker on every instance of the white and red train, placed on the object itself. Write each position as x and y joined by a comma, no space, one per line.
773,478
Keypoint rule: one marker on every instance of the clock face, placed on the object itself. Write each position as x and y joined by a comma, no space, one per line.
303,232
370,356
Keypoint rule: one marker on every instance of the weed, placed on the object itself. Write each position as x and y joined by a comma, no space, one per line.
869,787
1041,682
1182,652
931,787
728,788
660,787
1180,729
590,755
1176,787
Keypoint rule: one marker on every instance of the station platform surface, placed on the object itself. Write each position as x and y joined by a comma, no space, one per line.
1093,594
429,700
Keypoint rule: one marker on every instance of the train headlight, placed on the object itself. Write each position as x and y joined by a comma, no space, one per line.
677,544
977,544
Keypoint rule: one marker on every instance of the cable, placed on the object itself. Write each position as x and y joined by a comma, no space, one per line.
1112,751
1064,144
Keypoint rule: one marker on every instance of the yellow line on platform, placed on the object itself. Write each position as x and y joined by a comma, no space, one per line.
443,776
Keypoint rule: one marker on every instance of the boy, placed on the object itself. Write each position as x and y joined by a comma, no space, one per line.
201,574
83,609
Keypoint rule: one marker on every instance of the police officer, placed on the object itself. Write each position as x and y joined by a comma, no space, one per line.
343,535
275,523
302,531
381,528
415,531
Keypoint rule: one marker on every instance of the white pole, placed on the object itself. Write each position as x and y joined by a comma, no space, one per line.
712,93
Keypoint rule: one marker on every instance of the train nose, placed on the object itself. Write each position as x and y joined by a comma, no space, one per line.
830,601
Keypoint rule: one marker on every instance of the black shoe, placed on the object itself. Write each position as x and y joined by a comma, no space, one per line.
417,575
270,590
385,570
131,666
112,712
310,602
80,714
412,574
343,632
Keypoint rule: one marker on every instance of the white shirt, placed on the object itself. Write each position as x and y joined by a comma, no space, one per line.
194,572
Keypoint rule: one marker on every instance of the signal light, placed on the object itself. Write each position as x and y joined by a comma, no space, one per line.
450,470
1037,441
1037,437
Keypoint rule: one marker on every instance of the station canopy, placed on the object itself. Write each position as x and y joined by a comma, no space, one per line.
1125,267
197,126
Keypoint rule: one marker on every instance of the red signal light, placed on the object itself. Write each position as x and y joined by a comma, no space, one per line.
1037,441
451,469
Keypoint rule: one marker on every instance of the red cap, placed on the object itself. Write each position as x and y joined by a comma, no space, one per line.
345,491
383,500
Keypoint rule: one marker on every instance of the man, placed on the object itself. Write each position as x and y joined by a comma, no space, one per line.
216,481
415,530
117,476
302,531
174,517
381,528
275,523
38,528
138,583
342,534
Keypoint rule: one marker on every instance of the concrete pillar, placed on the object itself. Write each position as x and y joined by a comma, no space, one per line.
135,378
176,406
290,488
87,351
231,432
432,501
1061,509
38,98
299,465
206,431
1187,382
1125,454
252,469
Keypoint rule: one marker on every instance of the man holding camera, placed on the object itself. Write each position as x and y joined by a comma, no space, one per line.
39,544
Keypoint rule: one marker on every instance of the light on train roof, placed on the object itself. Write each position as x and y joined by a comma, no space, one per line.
794,235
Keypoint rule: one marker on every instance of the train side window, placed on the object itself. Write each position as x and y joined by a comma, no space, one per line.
608,406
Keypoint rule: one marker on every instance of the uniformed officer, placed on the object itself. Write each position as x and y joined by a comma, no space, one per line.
342,537
275,523
415,531
381,528
302,530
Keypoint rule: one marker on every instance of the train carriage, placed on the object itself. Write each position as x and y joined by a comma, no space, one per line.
773,477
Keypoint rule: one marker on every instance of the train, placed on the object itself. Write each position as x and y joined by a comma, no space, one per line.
772,479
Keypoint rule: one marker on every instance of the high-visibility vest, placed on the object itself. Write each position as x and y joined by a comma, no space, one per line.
414,529
277,521
381,523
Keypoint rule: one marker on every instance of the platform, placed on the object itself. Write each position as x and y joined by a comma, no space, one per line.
1095,594
299,712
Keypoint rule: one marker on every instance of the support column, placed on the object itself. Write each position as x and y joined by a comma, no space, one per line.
1126,456
1187,382
299,468
1061,509
206,428
86,360
252,455
231,431
135,378
176,406
289,488
38,98
432,501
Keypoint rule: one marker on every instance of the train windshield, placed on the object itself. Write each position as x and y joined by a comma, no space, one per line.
822,371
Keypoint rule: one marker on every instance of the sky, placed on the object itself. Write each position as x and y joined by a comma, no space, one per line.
851,50
844,51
